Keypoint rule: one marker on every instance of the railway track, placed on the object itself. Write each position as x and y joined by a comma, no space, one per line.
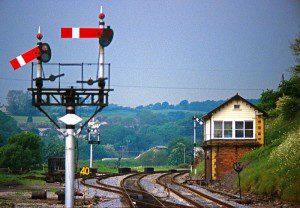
140,197
104,187
195,197
167,200
134,195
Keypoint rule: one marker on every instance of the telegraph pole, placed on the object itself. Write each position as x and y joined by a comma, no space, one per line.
282,84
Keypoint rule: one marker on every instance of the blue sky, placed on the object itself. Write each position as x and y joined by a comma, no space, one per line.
162,50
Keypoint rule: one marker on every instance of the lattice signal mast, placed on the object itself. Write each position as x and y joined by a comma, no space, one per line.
70,97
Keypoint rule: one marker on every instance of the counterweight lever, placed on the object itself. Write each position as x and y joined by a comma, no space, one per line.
52,77
89,82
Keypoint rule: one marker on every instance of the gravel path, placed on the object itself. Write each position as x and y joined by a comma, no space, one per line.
149,184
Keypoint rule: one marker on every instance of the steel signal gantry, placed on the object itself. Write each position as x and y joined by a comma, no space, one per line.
70,97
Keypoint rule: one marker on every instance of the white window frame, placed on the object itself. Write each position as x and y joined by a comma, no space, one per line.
253,129
231,130
239,129
244,129
221,129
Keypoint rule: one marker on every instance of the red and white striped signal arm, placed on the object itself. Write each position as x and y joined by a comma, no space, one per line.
76,32
25,58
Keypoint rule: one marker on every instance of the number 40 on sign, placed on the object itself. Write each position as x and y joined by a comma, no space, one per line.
85,171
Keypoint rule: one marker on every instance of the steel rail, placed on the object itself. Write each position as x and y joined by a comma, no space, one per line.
193,191
140,191
107,185
216,200
120,192
167,203
159,181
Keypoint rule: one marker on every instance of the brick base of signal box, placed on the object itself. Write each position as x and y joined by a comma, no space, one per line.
220,155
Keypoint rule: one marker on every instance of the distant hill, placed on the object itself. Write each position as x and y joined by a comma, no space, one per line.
133,129
165,107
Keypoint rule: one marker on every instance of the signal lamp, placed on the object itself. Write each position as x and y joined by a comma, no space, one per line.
45,52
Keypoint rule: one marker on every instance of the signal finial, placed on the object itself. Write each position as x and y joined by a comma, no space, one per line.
39,35
101,15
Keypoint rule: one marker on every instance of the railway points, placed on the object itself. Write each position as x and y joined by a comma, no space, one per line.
132,190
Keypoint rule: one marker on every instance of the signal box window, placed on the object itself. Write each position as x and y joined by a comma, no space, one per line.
236,106
218,129
249,129
239,129
227,129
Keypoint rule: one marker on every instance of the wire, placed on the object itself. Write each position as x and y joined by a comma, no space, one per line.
186,88
15,79
164,87
154,68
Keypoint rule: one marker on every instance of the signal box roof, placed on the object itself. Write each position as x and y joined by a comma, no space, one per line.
236,97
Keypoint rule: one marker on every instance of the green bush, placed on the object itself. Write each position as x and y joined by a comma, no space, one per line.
273,113
287,107
154,158
23,151
183,166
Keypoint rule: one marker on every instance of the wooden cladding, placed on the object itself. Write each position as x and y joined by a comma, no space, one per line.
260,129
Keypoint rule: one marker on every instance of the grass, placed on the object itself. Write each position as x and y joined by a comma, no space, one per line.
274,169
121,113
15,179
199,169
110,166
44,119
36,119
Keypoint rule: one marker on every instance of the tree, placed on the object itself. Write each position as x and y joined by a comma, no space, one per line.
8,127
147,158
287,107
23,151
176,156
183,105
52,148
268,99
296,47
296,50
19,103
176,151
1,139
147,117
290,87
157,106
165,105
154,158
